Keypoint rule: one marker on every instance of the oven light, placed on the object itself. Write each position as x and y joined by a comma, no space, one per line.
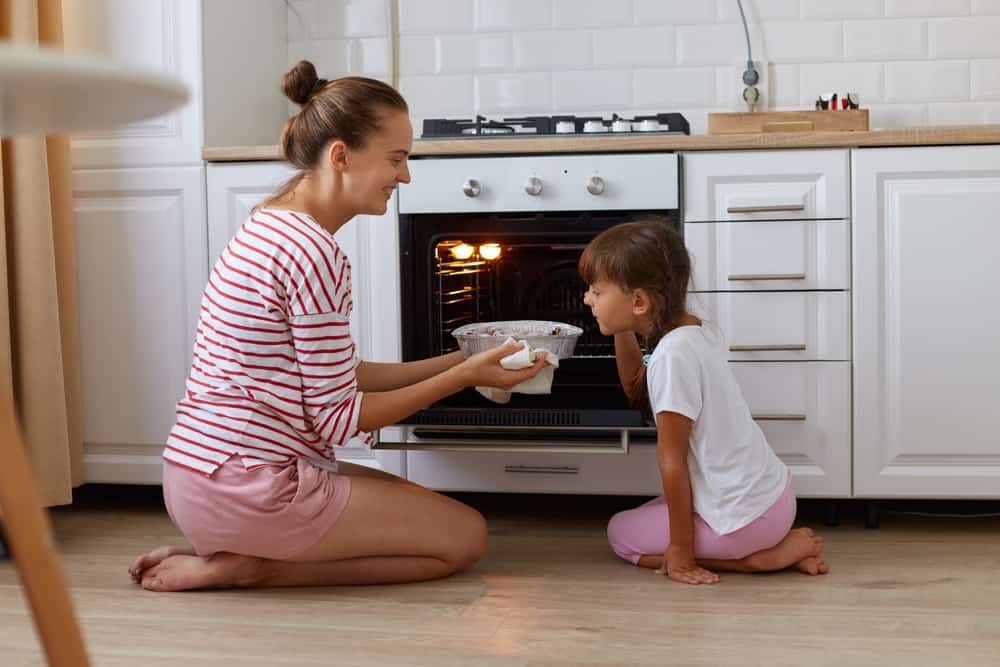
463,251
489,251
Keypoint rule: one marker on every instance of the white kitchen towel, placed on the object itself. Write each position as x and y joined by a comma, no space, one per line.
540,384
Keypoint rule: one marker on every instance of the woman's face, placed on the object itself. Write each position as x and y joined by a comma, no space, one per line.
373,172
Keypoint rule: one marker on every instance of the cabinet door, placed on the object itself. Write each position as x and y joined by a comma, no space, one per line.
804,410
161,35
141,255
765,185
926,313
233,191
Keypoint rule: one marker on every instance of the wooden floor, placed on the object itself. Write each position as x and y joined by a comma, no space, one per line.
919,591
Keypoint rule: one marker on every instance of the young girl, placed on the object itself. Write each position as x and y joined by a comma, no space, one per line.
276,383
728,502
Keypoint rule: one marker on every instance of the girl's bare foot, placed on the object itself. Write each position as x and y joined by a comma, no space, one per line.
799,544
182,572
813,565
154,557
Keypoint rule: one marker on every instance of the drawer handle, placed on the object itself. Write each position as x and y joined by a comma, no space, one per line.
767,348
545,470
767,276
773,208
779,418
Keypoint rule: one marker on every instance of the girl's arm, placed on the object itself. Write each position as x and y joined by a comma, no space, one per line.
672,433
376,377
380,409
628,357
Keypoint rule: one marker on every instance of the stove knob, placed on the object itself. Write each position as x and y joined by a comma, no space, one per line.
595,185
533,186
565,127
471,188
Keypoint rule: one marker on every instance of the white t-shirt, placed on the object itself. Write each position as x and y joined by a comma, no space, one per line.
735,475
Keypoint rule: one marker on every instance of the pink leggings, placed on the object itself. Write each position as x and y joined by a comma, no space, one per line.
645,531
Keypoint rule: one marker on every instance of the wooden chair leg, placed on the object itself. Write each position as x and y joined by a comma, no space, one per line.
29,540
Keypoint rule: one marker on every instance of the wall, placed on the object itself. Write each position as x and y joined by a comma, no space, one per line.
913,62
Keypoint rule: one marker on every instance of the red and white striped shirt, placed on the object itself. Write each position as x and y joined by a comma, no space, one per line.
273,375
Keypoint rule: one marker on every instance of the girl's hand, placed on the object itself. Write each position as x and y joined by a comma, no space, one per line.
484,369
679,565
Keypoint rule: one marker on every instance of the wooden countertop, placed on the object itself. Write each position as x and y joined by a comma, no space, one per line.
913,136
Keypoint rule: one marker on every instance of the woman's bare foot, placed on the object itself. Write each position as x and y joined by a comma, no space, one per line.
813,565
182,572
799,544
153,558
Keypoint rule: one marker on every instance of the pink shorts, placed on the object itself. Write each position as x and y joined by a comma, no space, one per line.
271,512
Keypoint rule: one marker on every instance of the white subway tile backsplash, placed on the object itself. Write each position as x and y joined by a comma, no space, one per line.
435,16
474,53
927,7
634,46
986,6
552,50
672,12
927,81
438,94
417,54
986,80
897,115
592,90
756,10
885,40
592,13
527,93
973,37
801,41
911,61
961,113
674,88
714,44
865,79
842,9
371,56
513,14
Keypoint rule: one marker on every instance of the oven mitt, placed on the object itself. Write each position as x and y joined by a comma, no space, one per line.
540,384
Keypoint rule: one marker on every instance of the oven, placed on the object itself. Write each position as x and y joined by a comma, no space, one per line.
498,238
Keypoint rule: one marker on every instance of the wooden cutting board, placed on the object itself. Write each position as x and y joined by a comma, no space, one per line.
787,121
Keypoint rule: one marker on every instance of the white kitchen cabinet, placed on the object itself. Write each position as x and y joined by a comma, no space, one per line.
234,189
926,321
765,185
141,252
162,35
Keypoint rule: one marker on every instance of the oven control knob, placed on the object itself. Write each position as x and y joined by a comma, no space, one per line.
595,185
533,186
471,188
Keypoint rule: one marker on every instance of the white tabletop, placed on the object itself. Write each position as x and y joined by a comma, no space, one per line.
45,91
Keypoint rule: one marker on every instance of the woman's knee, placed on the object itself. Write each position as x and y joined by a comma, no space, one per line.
468,540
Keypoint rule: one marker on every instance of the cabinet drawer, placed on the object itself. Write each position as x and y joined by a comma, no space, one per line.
634,473
804,411
780,326
766,185
772,255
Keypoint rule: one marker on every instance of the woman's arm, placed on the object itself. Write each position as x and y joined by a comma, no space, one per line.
375,376
380,409
672,433
628,357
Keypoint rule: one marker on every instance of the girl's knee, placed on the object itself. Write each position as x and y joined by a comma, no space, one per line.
469,541
618,537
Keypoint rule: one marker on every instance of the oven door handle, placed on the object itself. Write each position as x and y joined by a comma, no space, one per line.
482,442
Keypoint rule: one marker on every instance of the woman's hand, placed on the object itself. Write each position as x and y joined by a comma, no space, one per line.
484,369
679,565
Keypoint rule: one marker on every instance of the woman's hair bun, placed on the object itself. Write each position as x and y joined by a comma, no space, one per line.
300,82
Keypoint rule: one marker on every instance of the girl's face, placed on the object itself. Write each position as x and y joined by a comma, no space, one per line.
374,171
612,307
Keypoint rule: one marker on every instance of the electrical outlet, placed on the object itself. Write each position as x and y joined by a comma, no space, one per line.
735,87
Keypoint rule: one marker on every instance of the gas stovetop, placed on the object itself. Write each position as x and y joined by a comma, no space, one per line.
554,126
